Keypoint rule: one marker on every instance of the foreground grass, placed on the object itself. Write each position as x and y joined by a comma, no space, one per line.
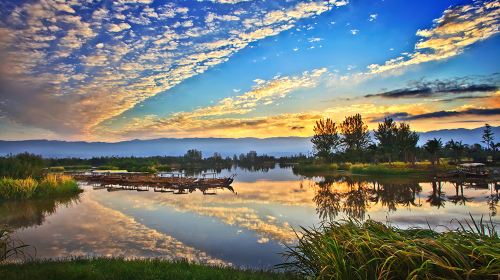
104,268
48,186
372,250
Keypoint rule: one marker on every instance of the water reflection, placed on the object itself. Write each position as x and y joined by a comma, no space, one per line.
28,213
246,227
354,196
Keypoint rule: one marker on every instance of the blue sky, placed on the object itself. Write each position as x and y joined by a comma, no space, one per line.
113,70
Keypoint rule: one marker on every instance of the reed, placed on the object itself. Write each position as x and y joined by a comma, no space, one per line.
10,247
50,185
371,250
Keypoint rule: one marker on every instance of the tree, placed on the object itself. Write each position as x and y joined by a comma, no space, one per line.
355,134
325,139
386,136
193,156
456,148
488,140
488,137
433,147
407,140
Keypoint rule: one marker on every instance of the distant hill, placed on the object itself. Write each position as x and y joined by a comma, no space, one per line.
277,146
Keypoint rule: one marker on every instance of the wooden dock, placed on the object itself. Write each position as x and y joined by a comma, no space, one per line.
161,189
154,181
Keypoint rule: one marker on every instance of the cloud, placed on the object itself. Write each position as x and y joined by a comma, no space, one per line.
423,88
458,28
373,17
402,116
45,46
215,118
118,27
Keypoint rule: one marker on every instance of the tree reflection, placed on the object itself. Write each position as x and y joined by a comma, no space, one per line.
353,196
27,213
459,197
436,198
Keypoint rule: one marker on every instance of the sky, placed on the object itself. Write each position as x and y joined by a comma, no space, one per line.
142,69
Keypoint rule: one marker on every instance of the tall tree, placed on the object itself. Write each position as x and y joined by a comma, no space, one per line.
488,137
192,156
355,134
456,148
386,136
434,147
325,139
407,140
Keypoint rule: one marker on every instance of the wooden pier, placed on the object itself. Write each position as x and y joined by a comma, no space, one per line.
160,189
157,181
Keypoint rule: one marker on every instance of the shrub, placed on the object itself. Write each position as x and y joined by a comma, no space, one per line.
28,188
372,250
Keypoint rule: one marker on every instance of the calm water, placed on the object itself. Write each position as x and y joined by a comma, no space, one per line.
247,227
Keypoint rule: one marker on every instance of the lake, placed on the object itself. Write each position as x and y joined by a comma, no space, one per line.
248,227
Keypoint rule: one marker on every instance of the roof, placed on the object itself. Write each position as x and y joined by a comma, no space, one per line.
110,171
474,164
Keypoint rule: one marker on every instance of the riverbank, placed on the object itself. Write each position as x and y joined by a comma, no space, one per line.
105,268
395,168
51,185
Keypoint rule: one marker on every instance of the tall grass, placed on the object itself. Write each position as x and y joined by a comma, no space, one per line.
50,185
10,247
372,250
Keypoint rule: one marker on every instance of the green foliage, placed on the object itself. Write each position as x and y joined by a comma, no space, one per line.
22,165
396,168
434,147
355,136
50,185
325,139
372,250
109,269
488,137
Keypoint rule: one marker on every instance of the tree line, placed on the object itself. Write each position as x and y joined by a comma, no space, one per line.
350,141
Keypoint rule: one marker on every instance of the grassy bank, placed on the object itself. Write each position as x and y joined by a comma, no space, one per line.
103,268
399,168
395,168
49,186
372,250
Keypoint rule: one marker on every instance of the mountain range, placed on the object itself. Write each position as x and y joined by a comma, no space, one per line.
276,146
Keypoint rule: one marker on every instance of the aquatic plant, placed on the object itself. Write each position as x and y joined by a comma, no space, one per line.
351,249
50,185
10,247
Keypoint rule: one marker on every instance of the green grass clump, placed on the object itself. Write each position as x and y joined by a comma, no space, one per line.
50,185
315,167
398,168
372,250
109,269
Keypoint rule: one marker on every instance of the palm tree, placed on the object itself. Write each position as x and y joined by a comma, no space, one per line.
457,149
434,147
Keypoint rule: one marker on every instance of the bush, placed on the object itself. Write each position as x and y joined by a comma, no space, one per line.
372,250
50,185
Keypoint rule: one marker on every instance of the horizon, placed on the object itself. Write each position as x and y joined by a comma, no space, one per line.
247,137
124,70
